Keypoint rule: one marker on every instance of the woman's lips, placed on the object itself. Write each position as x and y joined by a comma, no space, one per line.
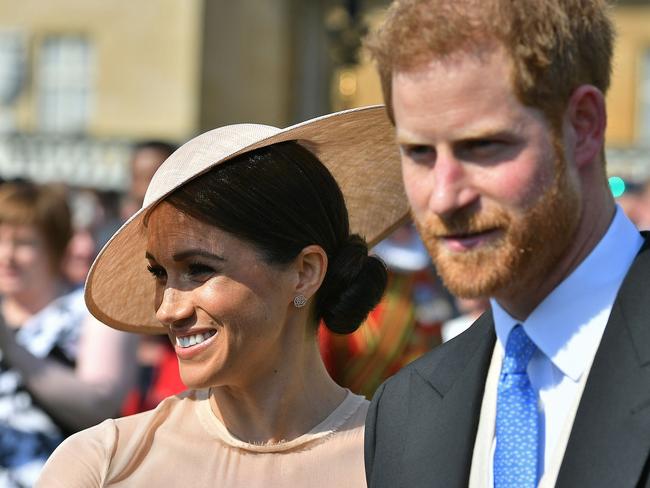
467,242
9,272
188,345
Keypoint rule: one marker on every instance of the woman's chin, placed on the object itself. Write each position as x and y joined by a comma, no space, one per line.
195,380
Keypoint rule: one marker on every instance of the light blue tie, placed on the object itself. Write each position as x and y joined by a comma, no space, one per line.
515,457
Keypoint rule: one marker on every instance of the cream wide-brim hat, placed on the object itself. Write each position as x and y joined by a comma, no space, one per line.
357,146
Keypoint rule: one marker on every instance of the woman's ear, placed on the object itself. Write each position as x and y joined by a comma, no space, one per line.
587,121
311,264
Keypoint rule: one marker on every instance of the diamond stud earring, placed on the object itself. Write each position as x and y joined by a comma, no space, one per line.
299,301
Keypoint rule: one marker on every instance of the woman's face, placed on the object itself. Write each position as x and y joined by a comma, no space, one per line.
24,259
224,307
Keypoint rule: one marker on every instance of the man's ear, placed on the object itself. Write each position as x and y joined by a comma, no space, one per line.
311,264
587,119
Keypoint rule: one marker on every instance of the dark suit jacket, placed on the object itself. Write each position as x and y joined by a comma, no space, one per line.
422,422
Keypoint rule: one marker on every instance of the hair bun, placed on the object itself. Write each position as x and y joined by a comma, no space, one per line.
353,285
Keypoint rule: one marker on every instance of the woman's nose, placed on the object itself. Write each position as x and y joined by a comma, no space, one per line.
7,250
175,306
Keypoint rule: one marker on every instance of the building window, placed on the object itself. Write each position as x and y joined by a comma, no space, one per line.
12,75
65,84
644,101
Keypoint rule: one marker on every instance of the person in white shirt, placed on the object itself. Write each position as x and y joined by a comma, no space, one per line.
499,111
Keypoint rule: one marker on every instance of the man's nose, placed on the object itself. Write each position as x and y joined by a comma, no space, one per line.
453,188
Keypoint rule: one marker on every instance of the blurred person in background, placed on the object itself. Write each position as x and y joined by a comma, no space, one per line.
60,370
87,216
146,158
403,326
158,374
79,256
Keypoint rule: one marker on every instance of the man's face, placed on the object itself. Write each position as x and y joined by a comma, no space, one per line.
491,192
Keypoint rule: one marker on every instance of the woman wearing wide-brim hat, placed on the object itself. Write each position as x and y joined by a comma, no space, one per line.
242,247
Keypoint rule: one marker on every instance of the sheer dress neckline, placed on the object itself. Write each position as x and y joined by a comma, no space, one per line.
215,427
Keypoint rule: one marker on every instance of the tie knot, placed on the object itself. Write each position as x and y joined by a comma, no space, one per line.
519,350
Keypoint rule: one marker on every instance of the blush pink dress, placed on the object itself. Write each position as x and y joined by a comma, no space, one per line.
182,443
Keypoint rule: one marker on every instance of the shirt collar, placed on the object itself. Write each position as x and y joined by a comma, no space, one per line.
568,324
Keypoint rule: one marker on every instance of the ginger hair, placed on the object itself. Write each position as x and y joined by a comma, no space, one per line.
555,45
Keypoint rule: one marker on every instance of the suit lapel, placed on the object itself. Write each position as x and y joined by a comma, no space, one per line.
610,438
444,408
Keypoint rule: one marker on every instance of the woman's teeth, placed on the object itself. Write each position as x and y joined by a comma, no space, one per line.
193,340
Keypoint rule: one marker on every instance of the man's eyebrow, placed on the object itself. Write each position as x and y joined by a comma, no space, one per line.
406,139
488,132
411,142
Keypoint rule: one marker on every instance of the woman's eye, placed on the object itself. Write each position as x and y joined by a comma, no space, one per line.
196,270
157,272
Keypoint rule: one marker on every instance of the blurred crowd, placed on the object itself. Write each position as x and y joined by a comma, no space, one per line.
61,370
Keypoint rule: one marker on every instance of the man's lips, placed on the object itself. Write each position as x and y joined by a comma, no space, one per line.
462,242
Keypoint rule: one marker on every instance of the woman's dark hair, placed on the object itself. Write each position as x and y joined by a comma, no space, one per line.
281,198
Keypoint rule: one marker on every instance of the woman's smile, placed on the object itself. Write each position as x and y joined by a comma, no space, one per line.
190,344
192,340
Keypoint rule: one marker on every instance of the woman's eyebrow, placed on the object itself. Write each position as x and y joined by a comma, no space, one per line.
190,253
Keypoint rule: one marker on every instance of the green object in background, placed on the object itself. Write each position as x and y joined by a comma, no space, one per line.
617,186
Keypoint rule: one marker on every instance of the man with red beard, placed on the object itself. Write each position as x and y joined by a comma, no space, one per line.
500,118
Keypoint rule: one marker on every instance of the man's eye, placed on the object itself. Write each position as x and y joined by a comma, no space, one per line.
480,146
418,152
158,272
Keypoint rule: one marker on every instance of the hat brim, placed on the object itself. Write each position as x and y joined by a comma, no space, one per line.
358,148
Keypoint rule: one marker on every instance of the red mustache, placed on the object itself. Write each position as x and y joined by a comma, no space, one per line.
463,223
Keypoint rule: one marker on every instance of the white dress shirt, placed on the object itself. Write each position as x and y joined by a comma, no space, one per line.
567,328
